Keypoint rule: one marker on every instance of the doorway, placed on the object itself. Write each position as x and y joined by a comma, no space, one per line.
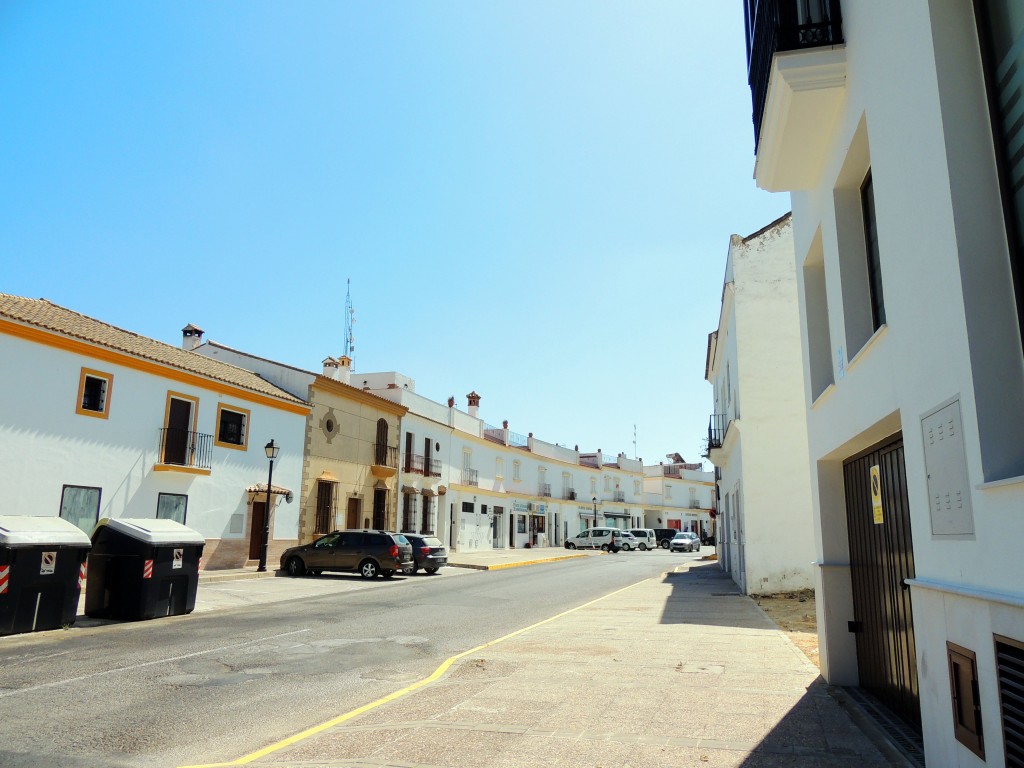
881,561
352,513
259,522
176,438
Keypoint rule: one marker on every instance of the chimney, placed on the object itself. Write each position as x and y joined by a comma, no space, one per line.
331,368
474,403
191,337
344,369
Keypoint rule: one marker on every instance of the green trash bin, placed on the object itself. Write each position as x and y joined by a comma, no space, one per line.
142,569
41,570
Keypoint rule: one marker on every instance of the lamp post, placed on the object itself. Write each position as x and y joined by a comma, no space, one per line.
595,510
272,451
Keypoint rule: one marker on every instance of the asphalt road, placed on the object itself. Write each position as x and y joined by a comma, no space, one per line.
214,686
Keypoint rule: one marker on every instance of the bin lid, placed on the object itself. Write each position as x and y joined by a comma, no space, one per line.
153,530
34,530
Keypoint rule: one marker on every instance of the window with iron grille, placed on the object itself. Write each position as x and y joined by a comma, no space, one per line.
963,687
409,512
1010,674
426,524
324,506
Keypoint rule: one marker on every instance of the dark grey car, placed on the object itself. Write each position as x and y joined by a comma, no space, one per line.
427,551
369,553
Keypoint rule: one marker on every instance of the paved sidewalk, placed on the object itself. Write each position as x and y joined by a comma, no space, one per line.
679,670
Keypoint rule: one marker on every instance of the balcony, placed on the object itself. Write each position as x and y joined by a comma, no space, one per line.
618,495
718,425
470,477
543,489
796,68
385,460
182,450
432,467
413,463
569,494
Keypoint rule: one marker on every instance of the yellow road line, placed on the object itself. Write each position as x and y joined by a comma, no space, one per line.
436,675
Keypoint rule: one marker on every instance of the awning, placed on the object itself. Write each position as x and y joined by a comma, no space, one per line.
327,477
625,515
409,489
262,488
428,492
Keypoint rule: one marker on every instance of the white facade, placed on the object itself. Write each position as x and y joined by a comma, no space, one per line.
679,495
765,535
496,489
915,355
109,455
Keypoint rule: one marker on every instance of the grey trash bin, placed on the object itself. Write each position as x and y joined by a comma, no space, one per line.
142,568
41,571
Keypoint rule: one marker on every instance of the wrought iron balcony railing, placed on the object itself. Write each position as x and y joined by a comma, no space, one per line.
470,477
618,495
718,424
774,26
569,494
543,489
432,467
385,455
184,448
413,463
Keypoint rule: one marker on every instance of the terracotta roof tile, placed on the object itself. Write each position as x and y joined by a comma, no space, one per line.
53,317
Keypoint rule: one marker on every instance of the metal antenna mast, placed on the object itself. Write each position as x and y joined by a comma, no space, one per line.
350,319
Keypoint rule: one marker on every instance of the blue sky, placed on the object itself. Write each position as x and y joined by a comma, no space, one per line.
532,200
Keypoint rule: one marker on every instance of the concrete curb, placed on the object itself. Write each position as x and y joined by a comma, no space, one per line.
212,577
501,566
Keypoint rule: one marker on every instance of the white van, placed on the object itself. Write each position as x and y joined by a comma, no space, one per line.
646,536
608,539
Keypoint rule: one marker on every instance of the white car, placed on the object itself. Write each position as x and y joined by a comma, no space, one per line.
685,541
629,541
608,539
646,536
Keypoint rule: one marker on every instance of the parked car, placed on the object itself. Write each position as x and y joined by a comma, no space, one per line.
608,539
369,553
428,552
685,541
646,536
629,541
664,536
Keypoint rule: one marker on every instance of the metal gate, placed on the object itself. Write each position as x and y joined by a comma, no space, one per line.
881,560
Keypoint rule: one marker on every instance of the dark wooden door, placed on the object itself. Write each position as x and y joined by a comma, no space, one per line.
259,520
881,561
179,420
380,509
352,514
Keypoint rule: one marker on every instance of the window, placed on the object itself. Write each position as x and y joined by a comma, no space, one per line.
817,332
1001,28
409,511
171,506
668,490
963,684
867,200
94,393
636,486
499,469
1010,675
593,486
232,427
516,471
80,505
607,483
426,521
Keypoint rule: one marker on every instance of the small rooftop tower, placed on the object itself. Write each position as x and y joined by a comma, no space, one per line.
191,337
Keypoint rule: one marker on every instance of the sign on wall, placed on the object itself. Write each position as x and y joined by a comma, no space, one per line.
876,495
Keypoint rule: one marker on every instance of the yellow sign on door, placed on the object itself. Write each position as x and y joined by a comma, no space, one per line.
876,494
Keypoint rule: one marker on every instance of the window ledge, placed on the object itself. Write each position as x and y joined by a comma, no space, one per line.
180,468
867,346
1005,482
824,393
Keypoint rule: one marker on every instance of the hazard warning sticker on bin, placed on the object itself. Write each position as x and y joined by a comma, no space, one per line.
176,562
48,564
5,572
147,569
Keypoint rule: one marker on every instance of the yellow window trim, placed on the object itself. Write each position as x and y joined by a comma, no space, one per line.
181,396
245,427
178,468
107,377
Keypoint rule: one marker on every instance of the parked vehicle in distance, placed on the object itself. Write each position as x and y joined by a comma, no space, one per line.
428,552
646,536
607,539
685,541
664,536
369,553
629,541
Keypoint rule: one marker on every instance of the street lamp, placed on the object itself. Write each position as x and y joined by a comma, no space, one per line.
272,451
595,510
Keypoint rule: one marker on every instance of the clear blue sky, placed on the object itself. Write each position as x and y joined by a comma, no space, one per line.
532,199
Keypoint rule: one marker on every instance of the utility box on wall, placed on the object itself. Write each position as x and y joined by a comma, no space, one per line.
949,495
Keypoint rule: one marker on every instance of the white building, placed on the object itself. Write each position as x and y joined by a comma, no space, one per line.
765,532
679,495
896,126
100,422
497,489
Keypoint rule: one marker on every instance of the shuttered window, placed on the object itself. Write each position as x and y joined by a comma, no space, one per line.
1010,672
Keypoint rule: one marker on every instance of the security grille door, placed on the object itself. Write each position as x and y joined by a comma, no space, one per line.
881,561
